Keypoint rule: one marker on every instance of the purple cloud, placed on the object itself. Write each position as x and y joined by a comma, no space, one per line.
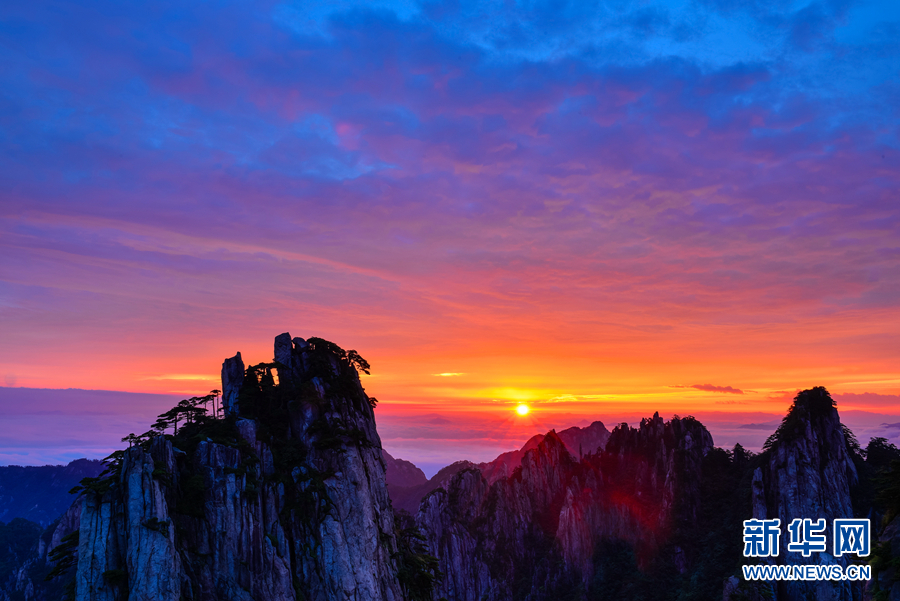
177,178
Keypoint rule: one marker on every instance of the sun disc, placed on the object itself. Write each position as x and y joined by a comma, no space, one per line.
522,409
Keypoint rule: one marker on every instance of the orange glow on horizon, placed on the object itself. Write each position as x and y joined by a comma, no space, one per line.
475,369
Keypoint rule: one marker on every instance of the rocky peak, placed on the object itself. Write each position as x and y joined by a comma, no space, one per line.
408,498
549,457
499,540
232,381
581,441
578,441
284,498
806,472
401,473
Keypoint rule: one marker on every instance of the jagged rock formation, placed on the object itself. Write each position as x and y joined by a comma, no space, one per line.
578,441
286,498
532,535
408,498
41,494
283,499
232,381
807,472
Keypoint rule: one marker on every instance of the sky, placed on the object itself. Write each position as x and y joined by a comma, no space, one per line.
601,209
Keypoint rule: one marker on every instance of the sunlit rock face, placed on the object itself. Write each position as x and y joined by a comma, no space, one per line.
807,472
532,535
283,499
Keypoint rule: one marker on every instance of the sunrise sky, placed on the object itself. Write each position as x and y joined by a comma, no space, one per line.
596,209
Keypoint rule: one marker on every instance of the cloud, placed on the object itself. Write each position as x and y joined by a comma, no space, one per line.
55,426
711,388
536,188
867,400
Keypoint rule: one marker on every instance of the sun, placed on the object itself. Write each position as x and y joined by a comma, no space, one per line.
522,409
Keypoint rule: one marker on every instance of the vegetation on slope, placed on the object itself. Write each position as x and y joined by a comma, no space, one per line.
270,397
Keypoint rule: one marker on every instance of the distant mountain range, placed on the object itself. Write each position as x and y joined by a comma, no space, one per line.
289,496
41,494
407,484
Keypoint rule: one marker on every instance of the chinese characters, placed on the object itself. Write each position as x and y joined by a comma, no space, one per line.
850,537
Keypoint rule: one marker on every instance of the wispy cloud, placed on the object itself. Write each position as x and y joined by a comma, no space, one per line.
553,198
712,388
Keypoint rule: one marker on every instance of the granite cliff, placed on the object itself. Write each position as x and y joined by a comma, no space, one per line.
533,535
282,498
807,471
656,514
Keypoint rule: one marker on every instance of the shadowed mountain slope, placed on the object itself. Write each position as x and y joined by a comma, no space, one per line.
41,494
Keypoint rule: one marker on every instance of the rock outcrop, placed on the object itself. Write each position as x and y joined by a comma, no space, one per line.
578,441
807,472
408,498
532,535
283,499
232,381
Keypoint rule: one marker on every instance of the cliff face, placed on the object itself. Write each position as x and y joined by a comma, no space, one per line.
533,535
285,498
807,472
656,515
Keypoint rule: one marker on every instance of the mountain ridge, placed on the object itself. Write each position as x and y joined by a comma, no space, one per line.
287,497
40,494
